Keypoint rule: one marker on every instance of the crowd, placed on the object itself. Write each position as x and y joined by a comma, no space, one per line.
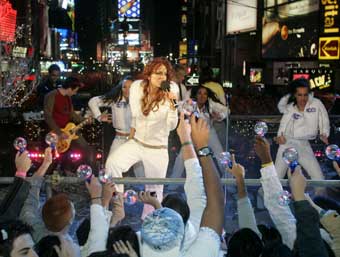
144,112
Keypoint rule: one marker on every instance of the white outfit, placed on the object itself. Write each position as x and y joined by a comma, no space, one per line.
283,103
121,121
299,127
214,142
150,141
100,224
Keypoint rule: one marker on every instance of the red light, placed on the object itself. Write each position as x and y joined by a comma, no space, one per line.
7,21
75,156
99,156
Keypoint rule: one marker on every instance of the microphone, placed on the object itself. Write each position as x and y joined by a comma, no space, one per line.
165,86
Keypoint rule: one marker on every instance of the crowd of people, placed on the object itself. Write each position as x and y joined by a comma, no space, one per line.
144,112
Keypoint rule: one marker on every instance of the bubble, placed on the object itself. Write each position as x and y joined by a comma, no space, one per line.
20,144
290,156
261,128
225,160
284,198
104,178
130,197
188,107
51,139
84,172
333,152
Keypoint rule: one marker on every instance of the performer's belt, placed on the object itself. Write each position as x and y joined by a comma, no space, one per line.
120,135
151,146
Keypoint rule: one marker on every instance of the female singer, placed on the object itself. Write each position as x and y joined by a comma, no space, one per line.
153,116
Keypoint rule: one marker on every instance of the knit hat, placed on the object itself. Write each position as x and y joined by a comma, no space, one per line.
162,233
57,212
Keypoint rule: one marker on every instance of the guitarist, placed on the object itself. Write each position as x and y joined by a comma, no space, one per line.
58,111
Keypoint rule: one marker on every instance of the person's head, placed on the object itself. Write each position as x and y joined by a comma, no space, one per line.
180,73
299,92
178,204
54,73
122,89
202,94
16,240
58,213
46,246
279,250
244,243
270,235
157,71
124,233
71,86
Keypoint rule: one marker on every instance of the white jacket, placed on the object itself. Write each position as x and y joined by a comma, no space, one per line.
307,124
121,113
154,128
214,107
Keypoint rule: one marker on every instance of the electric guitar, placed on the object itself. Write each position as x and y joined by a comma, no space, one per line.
70,130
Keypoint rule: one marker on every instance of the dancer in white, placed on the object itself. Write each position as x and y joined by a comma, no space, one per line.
304,118
153,116
209,108
118,99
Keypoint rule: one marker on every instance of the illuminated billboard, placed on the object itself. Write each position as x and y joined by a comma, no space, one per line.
132,39
8,18
290,29
241,16
129,8
318,78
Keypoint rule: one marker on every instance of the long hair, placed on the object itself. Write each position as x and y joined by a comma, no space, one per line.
293,88
211,95
116,93
148,105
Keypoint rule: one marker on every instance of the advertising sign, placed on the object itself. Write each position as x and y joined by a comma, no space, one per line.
290,29
241,16
8,18
318,78
329,48
129,8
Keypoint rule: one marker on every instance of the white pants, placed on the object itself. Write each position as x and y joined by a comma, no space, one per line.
138,167
155,162
306,159
214,144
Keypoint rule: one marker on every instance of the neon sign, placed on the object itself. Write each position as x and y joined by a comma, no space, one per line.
8,18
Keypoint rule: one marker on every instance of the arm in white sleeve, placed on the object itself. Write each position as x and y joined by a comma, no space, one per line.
323,120
246,216
221,109
194,190
134,101
94,104
283,123
282,216
282,105
99,229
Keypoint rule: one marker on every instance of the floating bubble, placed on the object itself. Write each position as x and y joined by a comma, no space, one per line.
130,197
261,128
84,172
225,160
51,139
20,144
188,107
290,156
104,178
284,198
333,152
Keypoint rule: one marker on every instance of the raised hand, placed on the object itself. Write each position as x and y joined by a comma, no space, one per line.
183,129
298,183
22,162
199,132
148,198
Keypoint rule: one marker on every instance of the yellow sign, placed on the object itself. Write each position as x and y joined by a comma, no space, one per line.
183,49
329,48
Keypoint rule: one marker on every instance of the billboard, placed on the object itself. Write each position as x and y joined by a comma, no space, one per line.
290,29
8,18
318,78
132,39
129,8
241,16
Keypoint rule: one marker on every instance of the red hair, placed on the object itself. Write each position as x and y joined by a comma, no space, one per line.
150,68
